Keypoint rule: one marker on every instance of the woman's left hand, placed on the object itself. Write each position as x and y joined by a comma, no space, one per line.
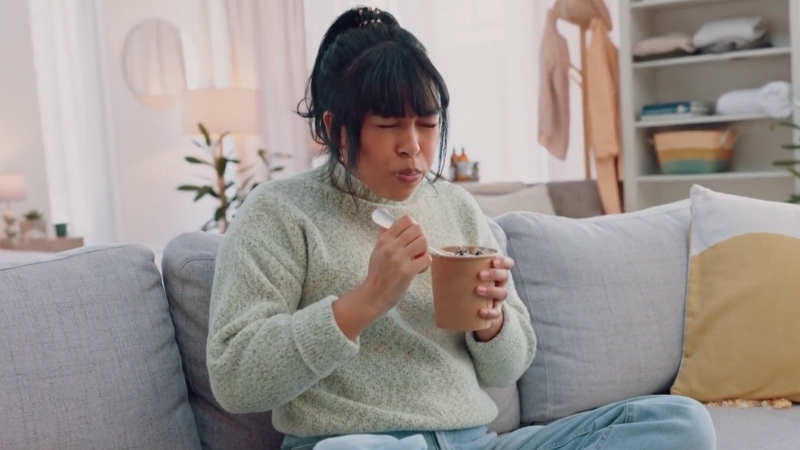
498,293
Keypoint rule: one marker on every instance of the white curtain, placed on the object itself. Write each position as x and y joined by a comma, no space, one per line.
260,44
76,126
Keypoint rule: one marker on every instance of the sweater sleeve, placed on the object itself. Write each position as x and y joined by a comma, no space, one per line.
505,358
262,351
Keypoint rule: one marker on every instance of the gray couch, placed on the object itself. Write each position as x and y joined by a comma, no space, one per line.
100,350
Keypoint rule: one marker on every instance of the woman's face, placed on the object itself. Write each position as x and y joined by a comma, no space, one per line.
397,153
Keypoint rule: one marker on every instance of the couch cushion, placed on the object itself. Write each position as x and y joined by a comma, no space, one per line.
606,297
529,199
757,428
88,356
188,266
576,199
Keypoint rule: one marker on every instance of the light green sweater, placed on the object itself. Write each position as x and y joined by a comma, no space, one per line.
274,344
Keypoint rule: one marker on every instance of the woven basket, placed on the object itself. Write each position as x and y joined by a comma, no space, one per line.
695,151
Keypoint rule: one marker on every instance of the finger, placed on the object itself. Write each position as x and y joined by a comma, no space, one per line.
423,262
416,248
500,276
411,234
494,292
503,262
491,314
401,225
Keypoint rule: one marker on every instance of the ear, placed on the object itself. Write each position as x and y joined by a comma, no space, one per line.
327,119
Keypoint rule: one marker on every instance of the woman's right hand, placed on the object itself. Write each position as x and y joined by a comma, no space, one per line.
400,254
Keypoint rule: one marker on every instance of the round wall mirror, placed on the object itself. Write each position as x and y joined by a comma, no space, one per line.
154,64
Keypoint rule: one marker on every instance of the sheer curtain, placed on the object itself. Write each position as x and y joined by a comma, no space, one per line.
76,124
260,45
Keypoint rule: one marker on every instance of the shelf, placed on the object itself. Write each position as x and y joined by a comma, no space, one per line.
699,120
765,175
712,58
661,4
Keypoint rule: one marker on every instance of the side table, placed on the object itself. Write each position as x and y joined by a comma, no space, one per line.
50,245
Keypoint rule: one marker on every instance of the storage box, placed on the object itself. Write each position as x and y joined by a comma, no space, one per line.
695,151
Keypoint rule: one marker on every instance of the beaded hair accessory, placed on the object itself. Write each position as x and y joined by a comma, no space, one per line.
368,15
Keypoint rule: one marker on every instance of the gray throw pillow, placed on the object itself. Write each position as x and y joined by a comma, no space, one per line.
188,266
88,357
606,297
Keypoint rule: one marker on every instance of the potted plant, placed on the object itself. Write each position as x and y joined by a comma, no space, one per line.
229,193
33,223
790,164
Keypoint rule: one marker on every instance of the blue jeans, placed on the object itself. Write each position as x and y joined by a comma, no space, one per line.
648,423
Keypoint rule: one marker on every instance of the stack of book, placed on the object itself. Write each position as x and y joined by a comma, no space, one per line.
674,110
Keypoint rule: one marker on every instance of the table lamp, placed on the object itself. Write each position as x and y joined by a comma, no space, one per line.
12,189
234,111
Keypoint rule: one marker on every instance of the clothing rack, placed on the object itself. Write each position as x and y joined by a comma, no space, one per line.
580,13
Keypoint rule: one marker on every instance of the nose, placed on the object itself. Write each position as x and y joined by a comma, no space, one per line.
409,144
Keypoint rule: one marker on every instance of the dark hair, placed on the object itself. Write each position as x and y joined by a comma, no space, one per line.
366,64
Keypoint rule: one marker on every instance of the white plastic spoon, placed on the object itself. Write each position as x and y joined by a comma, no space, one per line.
385,219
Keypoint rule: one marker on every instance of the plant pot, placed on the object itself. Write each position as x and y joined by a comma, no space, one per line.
38,225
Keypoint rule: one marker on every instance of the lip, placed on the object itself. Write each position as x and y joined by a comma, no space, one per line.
408,178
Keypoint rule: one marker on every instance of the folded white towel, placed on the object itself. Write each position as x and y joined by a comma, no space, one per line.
738,30
372,442
775,99
740,101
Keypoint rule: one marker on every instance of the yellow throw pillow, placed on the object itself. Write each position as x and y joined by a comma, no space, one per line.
742,329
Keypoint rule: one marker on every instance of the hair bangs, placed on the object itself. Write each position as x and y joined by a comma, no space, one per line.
395,79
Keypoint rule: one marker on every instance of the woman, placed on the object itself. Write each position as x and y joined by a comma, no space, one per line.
326,320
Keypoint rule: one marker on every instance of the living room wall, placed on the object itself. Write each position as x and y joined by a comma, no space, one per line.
21,146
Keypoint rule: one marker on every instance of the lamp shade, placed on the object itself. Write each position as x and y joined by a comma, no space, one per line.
12,187
233,111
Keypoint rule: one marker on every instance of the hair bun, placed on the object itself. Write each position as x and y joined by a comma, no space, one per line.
368,15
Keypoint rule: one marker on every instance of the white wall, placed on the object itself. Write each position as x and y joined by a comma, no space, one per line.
150,144
21,146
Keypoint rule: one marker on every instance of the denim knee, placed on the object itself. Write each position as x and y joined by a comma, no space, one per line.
693,423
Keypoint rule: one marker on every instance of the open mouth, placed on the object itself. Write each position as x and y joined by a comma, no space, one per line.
409,175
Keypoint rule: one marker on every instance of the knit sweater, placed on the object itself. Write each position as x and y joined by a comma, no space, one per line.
274,344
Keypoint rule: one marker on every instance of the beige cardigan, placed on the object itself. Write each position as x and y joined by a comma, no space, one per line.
554,67
602,81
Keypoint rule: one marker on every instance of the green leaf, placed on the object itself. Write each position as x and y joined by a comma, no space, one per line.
187,187
193,160
794,199
220,214
227,186
277,169
213,193
200,194
222,163
199,145
791,146
793,171
785,123
205,134
788,162
235,161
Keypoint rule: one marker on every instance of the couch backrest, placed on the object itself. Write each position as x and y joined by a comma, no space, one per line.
188,272
88,356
